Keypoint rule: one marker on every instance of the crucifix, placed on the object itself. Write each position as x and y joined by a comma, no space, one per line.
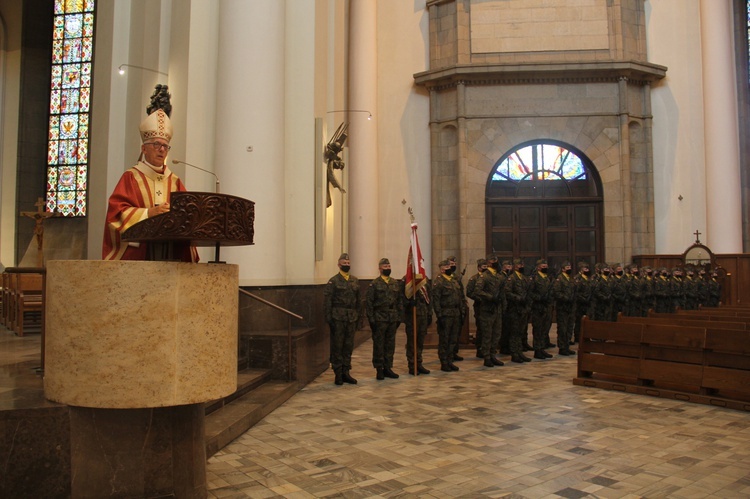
39,216
697,236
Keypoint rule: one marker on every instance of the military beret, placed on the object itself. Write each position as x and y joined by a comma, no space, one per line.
344,256
491,257
541,261
451,258
443,263
507,262
517,261
384,261
583,264
481,262
565,264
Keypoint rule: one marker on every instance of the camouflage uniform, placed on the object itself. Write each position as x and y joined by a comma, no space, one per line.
635,295
602,297
516,291
714,292
384,312
663,295
584,291
703,292
649,298
677,289
470,293
564,291
540,294
424,319
619,285
342,308
691,292
446,301
489,288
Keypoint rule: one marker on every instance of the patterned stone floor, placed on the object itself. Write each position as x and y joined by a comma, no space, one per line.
517,431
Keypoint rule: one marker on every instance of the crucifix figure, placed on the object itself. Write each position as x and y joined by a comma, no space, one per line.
39,216
697,236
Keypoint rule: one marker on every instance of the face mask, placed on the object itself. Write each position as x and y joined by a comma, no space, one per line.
543,271
495,265
345,268
506,271
635,273
568,271
449,271
664,274
386,272
619,272
587,273
521,270
605,273
453,268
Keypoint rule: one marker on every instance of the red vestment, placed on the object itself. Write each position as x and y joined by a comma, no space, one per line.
139,189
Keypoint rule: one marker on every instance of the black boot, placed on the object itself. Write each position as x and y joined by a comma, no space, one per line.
452,366
517,358
525,359
388,372
339,379
422,370
527,347
497,361
445,367
539,354
457,358
488,363
479,354
347,378
379,374
547,355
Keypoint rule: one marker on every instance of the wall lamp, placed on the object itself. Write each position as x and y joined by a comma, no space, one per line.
122,67
369,114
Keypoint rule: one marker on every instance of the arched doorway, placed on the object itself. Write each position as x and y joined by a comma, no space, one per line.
544,200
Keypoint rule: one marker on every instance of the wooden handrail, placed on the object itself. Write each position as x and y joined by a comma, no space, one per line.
289,326
272,305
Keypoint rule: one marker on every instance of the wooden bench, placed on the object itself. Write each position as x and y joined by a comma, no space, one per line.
705,363
29,302
671,319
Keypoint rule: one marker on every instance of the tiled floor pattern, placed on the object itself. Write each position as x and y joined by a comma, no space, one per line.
517,431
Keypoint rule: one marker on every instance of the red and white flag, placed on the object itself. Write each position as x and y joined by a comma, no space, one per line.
416,276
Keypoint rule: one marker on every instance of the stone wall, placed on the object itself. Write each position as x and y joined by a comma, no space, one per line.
490,93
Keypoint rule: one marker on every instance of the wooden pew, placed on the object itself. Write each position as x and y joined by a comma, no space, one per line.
705,363
702,317
672,319
29,303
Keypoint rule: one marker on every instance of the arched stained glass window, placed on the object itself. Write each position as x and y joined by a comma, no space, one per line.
69,107
542,169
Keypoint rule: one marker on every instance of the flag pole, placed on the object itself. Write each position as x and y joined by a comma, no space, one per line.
414,272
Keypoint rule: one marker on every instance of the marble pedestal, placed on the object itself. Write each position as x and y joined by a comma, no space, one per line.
136,349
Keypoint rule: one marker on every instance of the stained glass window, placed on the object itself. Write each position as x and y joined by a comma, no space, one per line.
540,162
69,107
543,169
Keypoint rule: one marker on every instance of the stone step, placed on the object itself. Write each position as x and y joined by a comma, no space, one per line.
247,380
236,417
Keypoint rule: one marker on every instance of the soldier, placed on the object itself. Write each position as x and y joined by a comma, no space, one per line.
421,301
540,294
488,288
619,285
584,291
459,277
564,291
384,312
635,291
446,301
470,292
342,308
648,292
516,291
714,290
662,292
602,294
677,289
507,269
703,294
691,289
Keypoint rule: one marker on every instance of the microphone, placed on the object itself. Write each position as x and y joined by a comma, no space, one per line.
179,162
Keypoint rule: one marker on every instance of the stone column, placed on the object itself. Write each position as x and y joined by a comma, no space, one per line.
723,193
364,226
250,114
